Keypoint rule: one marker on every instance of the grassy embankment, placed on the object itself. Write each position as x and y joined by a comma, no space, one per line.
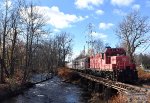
144,77
144,80
69,76
12,83
72,77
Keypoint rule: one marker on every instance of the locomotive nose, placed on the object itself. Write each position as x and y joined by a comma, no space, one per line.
123,59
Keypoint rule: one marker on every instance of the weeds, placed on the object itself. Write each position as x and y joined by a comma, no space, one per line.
68,75
118,99
143,75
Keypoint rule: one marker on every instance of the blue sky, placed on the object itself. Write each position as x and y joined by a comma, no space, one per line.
73,16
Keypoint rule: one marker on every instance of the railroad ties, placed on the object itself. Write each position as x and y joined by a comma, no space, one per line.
132,91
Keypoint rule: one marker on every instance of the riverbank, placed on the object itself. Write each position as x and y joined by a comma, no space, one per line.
99,93
68,75
144,78
96,94
7,91
13,86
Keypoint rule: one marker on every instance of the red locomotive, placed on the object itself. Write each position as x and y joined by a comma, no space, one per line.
112,64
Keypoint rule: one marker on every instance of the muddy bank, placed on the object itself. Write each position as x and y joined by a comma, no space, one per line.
8,92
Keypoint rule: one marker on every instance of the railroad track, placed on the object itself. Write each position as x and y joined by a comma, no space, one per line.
121,87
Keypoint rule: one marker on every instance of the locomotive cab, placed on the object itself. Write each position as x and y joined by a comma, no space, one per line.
121,64
111,52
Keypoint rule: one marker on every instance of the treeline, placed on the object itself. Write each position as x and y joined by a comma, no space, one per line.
143,60
133,32
25,42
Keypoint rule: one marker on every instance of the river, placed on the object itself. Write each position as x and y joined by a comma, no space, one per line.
52,91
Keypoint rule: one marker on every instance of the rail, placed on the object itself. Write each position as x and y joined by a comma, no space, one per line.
121,87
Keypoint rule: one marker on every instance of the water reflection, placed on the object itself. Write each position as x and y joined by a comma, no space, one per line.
52,91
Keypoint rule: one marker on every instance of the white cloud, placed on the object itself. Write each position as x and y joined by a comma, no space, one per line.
99,12
105,26
122,2
119,12
82,4
58,19
136,7
99,35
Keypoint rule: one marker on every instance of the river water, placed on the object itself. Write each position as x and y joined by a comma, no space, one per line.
52,91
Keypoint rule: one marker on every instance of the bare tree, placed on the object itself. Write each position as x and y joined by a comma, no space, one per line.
33,27
99,46
21,47
15,31
52,53
9,26
133,31
64,47
49,53
5,29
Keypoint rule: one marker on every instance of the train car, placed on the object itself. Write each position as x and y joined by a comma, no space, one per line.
114,64
81,63
69,64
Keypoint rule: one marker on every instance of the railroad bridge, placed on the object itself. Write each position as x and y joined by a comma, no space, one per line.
131,91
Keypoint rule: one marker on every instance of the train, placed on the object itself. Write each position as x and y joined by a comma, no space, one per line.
112,64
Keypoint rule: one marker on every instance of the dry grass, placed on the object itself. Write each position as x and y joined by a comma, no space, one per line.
118,99
12,83
16,79
149,98
68,75
3,87
64,72
143,75
96,98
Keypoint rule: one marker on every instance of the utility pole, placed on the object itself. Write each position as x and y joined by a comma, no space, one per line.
90,42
